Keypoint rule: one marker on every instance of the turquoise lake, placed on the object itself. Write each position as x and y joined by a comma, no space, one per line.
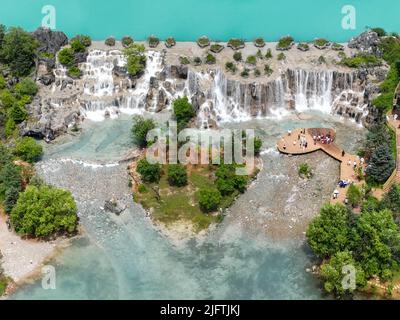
186,20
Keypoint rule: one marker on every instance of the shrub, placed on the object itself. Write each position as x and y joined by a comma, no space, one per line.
127,41
230,66
268,55
216,48
77,46
153,41
7,99
26,87
177,175
237,56
136,59
28,149
184,60
18,51
251,60
259,42
268,70
361,60
305,171
44,211
3,83
10,178
337,47
140,129
197,61
281,56
170,42
74,72
142,188
245,73
380,31
257,146
85,40
303,46
354,196
10,199
183,111
110,42
257,72
203,42
285,43
66,57
210,59
321,43
149,172
259,54
236,44
209,200
18,113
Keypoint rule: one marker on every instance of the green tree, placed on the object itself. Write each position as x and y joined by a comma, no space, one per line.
77,46
177,175
377,243
183,111
140,129
3,83
10,178
18,113
66,57
135,59
149,172
391,199
28,149
7,99
381,164
18,50
257,146
44,211
354,195
209,199
10,199
329,233
333,274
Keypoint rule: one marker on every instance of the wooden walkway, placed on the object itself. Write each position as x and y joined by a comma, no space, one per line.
291,144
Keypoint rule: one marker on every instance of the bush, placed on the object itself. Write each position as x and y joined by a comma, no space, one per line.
251,60
74,72
142,188
259,42
184,60
216,48
236,44
110,42
77,46
28,149
268,55
127,41
230,66
268,70
321,42
362,60
197,61
18,113
66,57
257,146
149,172
136,59
18,50
183,111
210,59
354,196
85,40
44,211
227,180
257,72
170,42
237,56
380,31
3,83
281,56
7,99
305,171
10,178
209,200
245,73
140,129
26,87
177,175
10,199
153,41
285,43
203,42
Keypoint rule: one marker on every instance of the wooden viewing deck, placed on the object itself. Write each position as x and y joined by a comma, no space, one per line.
290,144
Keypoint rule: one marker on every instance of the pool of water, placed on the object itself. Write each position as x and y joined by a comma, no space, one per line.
126,258
186,20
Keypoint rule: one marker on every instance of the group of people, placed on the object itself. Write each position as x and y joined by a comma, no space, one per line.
323,138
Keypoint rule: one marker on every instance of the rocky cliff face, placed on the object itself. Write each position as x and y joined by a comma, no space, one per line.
105,90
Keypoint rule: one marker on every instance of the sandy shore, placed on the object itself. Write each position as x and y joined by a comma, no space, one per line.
23,259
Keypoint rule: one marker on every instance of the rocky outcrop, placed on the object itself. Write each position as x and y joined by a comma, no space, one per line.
50,41
367,42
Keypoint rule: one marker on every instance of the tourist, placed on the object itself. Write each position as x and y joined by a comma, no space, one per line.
354,164
346,201
336,194
289,133
362,160
284,146
395,117
306,145
343,153
349,163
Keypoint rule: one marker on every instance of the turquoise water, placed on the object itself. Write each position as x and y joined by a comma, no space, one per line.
220,19
123,257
